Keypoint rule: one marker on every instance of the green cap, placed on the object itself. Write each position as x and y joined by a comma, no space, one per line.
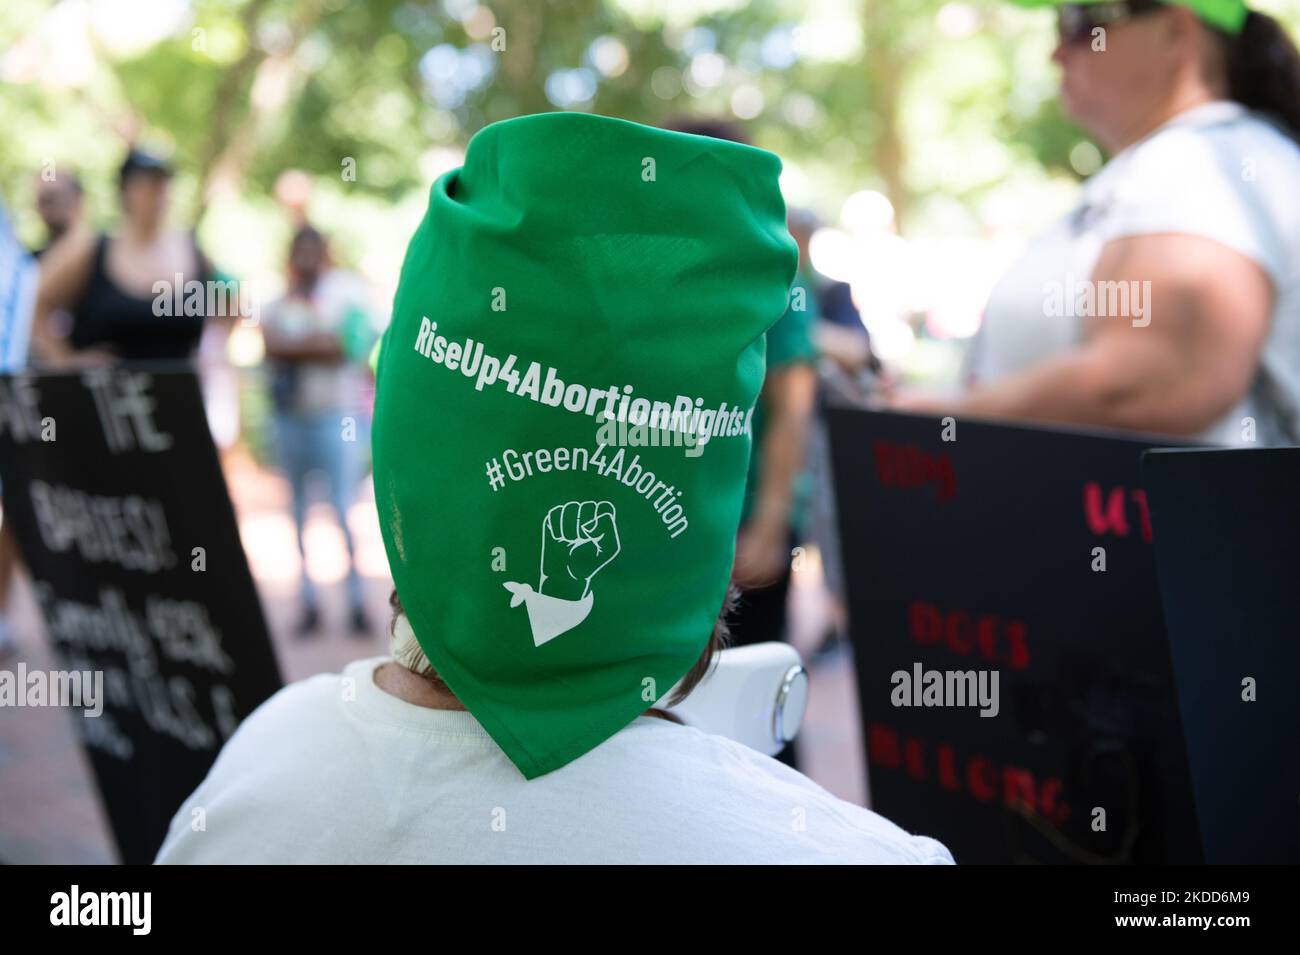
1227,15
563,413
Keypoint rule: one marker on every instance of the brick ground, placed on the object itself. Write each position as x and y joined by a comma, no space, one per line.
49,809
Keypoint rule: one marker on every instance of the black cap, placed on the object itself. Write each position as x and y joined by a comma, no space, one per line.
138,160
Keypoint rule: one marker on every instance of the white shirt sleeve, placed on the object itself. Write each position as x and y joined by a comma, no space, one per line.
1195,182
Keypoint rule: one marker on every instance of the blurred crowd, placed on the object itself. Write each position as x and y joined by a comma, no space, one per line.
142,291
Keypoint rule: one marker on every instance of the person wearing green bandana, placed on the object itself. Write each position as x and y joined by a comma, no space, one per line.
1169,299
562,431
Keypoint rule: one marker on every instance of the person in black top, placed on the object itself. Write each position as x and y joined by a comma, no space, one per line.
119,287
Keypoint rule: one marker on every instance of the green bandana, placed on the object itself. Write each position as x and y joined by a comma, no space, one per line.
563,416
1228,15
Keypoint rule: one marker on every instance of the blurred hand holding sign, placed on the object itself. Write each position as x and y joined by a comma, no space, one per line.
113,486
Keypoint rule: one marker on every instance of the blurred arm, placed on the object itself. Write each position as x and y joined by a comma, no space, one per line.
788,396
1208,309
322,348
65,269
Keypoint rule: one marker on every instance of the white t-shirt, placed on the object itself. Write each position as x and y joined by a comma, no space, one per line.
1216,171
334,770
320,387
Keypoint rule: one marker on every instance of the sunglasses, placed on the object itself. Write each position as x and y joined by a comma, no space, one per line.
1076,21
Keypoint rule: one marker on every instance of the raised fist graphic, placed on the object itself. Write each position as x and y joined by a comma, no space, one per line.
578,539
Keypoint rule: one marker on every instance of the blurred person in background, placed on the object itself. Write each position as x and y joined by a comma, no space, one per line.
60,202
316,336
847,369
108,283
778,490
848,364
1169,300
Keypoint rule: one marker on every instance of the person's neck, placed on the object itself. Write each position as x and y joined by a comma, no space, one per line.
395,680
1184,99
141,233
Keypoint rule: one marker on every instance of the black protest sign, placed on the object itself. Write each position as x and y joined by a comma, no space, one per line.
113,487
1008,572
1227,548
